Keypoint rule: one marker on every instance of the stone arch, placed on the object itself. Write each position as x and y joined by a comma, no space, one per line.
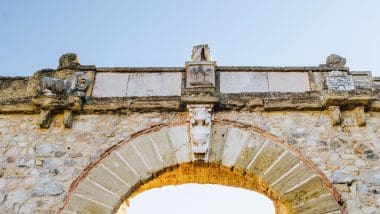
263,161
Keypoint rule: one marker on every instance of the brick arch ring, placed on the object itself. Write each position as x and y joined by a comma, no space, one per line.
240,155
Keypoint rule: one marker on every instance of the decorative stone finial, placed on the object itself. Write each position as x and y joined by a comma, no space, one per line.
201,53
68,60
335,61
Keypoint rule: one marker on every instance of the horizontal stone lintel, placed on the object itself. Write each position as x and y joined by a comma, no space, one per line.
218,68
269,101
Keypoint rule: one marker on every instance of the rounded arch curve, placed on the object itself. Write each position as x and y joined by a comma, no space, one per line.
251,157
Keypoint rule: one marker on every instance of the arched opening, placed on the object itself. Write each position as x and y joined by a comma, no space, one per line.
200,174
240,156
200,199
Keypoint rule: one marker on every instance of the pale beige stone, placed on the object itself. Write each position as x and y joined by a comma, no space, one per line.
239,82
149,153
179,137
110,85
235,142
288,81
129,154
154,84
87,206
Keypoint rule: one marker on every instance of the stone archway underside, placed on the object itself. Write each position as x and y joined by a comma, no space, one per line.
248,156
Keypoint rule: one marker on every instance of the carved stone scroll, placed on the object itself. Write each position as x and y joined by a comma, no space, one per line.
200,130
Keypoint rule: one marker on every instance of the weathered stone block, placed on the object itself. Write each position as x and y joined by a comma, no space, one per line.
96,192
218,138
45,149
324,204
110,85
360,115
179,137
296,176
47,187
122,168
154,84
83,205
18,196
109,180
269,153
240,82
288,81
249,152
129,154
306,191
161,141
149,153
335,115
235,142
281,167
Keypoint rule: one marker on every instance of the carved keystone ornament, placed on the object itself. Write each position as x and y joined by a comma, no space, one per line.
200,130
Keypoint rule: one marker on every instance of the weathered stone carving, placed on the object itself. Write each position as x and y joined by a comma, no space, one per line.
76,84
201,53
335,61
339,81
45,118
68,117
335,115
360,115
200,130
200,72
200,76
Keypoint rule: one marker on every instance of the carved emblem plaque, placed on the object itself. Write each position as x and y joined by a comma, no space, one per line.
200,76
339,81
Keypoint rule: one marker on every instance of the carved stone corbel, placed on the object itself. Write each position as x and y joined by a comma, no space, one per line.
49,105
68,118
45,118
360,115
200,130
335,115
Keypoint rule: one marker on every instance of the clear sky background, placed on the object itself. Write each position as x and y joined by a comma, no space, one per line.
34,34
200,199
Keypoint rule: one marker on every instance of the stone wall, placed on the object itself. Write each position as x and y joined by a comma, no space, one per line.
39,165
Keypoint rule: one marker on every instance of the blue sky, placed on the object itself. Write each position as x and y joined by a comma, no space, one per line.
33,34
